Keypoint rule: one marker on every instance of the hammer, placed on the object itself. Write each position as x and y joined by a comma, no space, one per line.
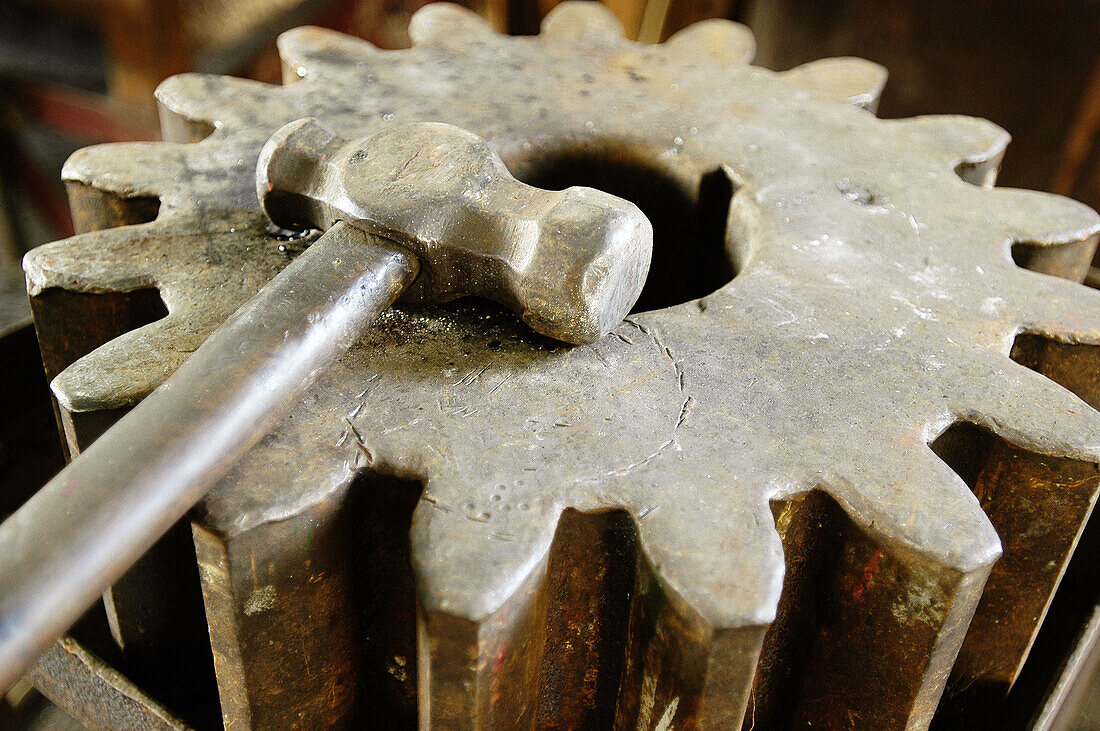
423,210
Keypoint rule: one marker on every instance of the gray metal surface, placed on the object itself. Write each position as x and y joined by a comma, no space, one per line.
571,264
875,304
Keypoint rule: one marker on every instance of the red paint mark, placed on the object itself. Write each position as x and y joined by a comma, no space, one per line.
869,572
498,663
495,672
67,490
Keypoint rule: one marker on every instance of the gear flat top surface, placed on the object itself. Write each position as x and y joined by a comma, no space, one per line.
875,303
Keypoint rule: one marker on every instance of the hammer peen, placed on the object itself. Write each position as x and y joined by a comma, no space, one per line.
424,211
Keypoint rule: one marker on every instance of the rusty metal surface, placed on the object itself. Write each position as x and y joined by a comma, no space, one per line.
780,420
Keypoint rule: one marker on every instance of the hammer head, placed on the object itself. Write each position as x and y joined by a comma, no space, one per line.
571,263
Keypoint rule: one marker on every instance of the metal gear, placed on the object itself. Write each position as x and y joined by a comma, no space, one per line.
871,302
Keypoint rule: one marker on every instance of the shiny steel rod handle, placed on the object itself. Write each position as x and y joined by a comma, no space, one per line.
83,530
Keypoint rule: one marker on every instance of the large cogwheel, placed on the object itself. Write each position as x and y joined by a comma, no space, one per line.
866,300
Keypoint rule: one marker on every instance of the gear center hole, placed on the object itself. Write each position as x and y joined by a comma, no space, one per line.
689,220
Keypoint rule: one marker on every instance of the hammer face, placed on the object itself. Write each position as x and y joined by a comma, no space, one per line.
571,263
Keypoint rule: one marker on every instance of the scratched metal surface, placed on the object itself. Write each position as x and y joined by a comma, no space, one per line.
875,304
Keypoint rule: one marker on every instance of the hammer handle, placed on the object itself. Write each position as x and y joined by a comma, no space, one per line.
84,529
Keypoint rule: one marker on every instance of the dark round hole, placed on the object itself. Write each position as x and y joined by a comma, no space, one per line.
689,253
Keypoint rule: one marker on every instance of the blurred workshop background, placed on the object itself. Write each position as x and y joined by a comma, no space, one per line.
79,72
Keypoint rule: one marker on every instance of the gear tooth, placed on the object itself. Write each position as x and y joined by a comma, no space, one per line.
1057,308
971,145
138,257
447,24
314,51
709,584
908,479
850,80
1031,411
112,260
208,100
1040,219
722,40
127,169
468,563
122,372
143,170
478,582
118,373
573,20
737,586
